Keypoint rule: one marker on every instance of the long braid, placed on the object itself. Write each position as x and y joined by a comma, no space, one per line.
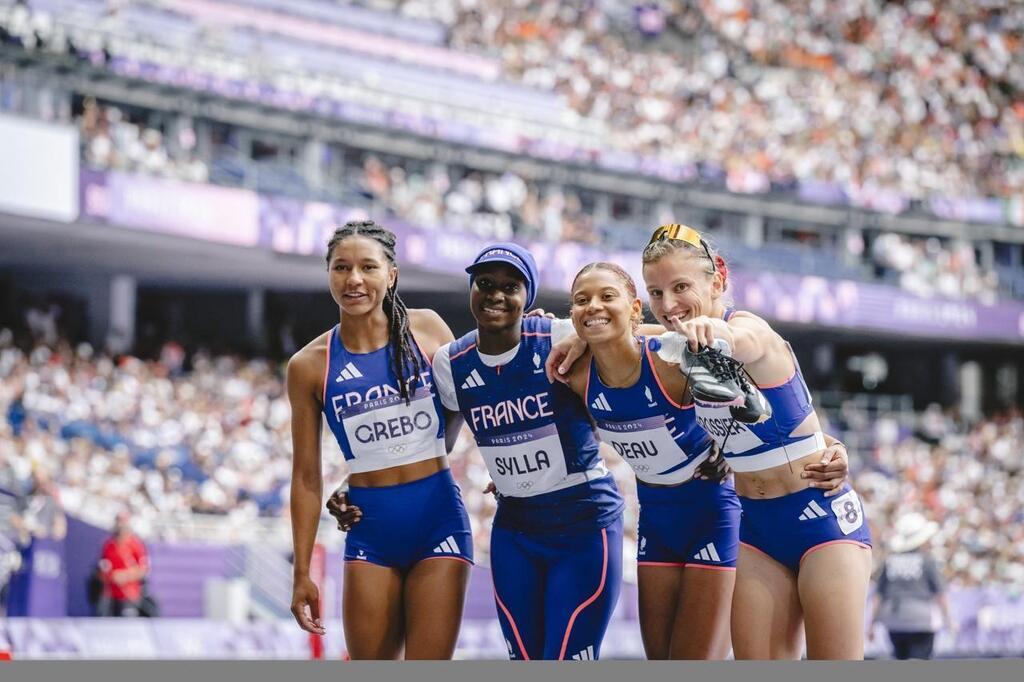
400,341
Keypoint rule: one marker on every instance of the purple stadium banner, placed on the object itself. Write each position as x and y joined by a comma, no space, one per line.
201,211
243,218
785,297
788,297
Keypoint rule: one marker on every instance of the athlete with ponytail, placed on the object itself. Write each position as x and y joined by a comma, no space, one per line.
805,555
370,377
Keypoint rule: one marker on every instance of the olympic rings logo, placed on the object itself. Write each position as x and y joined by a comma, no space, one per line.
641,467
524,485
396,449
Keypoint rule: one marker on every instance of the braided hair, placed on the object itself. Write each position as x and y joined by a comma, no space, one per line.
400,341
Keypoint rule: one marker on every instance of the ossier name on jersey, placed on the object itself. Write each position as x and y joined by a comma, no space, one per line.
720,428
509,412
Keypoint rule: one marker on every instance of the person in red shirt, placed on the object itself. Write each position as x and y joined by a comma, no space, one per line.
123,566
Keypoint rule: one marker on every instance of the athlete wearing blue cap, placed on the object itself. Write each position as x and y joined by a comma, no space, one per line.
805,557
407,559
556,544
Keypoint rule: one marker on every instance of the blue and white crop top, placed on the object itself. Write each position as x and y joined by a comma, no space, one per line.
371,422
658,437
756,447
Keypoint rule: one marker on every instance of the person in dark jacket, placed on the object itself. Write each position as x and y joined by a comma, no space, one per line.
910,598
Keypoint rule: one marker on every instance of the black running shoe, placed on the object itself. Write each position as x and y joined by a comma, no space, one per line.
717,378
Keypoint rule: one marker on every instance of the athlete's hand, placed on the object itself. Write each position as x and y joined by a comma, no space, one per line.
540,312
306,605
491,489
562,357
831,470
714,468
346,514
699,331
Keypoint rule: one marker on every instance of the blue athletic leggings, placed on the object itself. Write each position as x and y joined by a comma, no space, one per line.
556,593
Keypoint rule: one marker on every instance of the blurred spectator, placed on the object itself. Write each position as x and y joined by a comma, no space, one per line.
111,139
911,591
927,267
123,565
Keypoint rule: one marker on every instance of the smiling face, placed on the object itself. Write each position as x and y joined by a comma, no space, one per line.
679,285
603,307
497,297
360,275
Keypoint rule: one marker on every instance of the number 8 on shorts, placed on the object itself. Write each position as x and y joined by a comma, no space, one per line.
848,511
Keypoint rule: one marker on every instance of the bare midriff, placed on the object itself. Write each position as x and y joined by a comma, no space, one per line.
775,482
398,475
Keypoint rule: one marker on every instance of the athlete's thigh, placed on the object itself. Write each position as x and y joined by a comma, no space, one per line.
581,593
701,630
372,611
435,593
519,574
766,621
658,589
833,584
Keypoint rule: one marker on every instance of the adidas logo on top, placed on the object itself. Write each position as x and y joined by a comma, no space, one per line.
349,371
601,403
473,380
585,655
448,546
709,553
813,511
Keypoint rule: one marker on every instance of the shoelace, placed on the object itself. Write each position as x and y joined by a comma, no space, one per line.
723,367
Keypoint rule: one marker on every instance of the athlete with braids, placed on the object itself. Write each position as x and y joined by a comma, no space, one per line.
689,526
805,557
407,559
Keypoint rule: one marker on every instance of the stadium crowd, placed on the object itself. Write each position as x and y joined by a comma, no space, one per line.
507,205
87,434
919,98
111,140
913,99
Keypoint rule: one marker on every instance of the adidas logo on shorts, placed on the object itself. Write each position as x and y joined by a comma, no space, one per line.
448,546
813,511
585,655
709,553
473,380
349,371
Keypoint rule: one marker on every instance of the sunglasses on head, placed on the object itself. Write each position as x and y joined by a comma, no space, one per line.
675,232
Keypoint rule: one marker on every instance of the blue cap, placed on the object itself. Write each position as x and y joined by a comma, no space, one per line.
514,255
